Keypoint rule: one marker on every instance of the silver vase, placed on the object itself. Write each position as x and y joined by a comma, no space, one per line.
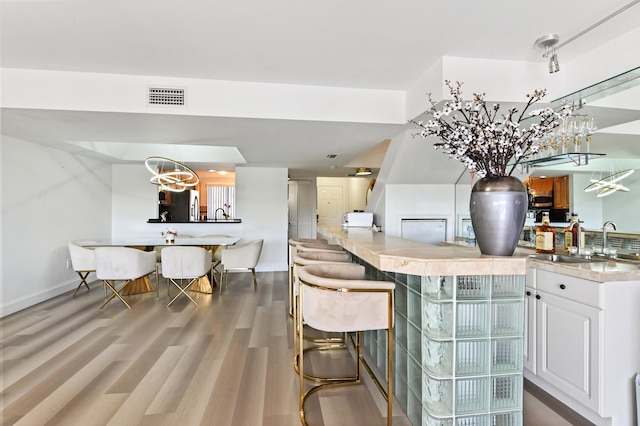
498,209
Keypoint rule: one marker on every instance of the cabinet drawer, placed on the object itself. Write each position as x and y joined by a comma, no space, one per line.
576,289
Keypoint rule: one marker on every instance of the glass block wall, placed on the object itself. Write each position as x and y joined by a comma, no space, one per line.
458,348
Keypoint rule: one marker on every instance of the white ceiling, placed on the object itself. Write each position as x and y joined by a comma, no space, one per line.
372,44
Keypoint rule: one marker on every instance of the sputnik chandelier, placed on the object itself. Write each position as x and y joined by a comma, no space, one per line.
171,175
609,184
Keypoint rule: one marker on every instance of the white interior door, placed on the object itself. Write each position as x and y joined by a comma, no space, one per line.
301,209
330,205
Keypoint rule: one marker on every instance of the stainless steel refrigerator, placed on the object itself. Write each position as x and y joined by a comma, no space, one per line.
181,207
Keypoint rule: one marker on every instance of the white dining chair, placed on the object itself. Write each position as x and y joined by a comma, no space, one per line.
123,264
184,264
239,257
216,256
83,261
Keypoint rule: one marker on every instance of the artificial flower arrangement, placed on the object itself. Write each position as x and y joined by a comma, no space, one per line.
486,142
168,231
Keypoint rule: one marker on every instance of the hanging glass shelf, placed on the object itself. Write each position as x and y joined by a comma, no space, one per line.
610,86
577,158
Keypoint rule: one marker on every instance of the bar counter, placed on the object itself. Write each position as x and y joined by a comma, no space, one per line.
459,327
394,254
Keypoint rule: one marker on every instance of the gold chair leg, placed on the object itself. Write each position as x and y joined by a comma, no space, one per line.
255,282
182,291
116,293
224,277
83,280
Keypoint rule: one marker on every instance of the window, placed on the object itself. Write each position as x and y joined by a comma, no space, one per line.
217,197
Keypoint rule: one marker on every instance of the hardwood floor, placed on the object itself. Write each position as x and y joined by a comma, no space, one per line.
226,361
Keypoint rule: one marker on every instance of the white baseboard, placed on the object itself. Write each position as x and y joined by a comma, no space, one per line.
33,299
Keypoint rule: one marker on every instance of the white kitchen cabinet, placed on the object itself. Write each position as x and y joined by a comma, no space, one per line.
581,343
567,347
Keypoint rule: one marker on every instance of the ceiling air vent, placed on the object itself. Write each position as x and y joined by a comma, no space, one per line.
166,96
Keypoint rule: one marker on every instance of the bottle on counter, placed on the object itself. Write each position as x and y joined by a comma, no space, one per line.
576,230
568,234
545,236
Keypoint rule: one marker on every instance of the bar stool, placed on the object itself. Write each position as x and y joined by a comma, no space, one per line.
314,258
298,246
293,242
335,298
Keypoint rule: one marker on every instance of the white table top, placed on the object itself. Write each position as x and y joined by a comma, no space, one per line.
160,241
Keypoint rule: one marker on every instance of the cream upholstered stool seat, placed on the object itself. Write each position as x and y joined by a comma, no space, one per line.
313,258
123,264
299,246
184,263
336,298
293,242
83,261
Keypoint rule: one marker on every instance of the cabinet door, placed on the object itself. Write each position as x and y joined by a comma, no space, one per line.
530,330
561,192
567,347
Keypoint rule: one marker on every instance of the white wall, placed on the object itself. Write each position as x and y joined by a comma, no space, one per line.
49,197
589,206
29,88
261,204
1,234
419,202
354,190
261,200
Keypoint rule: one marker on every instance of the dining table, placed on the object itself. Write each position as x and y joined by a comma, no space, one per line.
143,285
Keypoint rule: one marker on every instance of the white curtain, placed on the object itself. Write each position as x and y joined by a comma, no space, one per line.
218,197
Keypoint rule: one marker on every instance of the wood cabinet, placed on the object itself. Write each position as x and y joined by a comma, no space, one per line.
561,192
540,186
581,345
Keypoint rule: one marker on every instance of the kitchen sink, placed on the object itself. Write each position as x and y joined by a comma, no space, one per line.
561,258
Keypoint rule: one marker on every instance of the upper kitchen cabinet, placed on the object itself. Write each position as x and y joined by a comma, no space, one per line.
549,192
561,192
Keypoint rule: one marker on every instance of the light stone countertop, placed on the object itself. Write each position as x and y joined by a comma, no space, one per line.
394,254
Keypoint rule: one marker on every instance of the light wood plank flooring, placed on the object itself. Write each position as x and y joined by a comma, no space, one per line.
226,361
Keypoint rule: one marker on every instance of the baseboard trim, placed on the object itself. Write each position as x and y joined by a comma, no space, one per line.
564,411
33,299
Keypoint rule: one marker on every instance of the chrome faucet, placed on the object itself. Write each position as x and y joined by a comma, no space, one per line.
215,213
605,228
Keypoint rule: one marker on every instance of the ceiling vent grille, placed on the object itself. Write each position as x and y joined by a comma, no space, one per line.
166,96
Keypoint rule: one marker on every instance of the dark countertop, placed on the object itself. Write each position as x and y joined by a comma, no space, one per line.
200,221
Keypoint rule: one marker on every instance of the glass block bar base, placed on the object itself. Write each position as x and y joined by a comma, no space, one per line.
458,349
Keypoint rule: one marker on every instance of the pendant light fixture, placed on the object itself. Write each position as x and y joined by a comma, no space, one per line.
609,184
363,171
171,175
